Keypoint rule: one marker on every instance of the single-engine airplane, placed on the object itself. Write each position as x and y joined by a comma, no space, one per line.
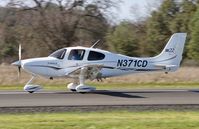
81,63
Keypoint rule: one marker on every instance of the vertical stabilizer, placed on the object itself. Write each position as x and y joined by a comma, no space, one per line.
171,55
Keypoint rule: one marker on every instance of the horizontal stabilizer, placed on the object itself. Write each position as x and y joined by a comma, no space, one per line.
167,68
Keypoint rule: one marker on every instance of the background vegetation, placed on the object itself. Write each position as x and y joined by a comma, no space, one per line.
45,26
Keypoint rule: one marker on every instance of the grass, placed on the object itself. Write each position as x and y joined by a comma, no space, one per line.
112,86
102,120
185,77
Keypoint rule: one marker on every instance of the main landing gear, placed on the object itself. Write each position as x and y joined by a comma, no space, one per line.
31,88
81,87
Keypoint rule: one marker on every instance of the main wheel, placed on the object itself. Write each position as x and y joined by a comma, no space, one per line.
85,89
73,90
82,92
72,87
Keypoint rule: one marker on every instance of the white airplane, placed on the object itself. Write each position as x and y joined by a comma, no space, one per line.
81,63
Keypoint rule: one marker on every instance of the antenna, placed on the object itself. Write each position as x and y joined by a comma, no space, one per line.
95,43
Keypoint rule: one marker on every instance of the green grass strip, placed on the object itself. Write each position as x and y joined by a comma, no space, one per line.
109,86
102,120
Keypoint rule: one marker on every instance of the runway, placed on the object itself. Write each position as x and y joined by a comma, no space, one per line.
99,98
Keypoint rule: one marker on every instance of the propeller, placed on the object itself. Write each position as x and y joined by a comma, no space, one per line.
19,52
18,63
19,66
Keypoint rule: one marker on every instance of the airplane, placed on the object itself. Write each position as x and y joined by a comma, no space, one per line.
82,63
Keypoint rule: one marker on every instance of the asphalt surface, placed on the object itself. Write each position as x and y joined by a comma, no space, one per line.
114,98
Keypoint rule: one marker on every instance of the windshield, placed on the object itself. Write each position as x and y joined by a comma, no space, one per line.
59,54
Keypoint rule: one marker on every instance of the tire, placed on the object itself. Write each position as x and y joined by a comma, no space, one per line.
82,92
73,90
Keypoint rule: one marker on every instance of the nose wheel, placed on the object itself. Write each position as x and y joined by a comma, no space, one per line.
31,88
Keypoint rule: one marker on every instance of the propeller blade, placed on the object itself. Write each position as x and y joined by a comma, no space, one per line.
19,71
19,66
19,52
18,63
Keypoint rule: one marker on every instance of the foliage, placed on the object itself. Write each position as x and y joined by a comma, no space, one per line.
53,25
158,31
171,17
193,46
181,22
50,25
123,39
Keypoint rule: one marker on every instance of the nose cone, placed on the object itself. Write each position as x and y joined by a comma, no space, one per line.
17,63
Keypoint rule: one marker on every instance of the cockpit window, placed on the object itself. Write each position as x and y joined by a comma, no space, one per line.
59,54
76,54
95,56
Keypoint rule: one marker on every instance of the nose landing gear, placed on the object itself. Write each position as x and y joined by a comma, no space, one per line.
31,88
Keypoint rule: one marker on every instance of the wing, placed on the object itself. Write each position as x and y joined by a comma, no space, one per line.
90,71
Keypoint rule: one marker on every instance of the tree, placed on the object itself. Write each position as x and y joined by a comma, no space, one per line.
158,26
180,23
61,23
122,39
193,46
182,20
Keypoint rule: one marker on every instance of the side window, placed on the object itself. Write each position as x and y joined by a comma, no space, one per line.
95,56
76,54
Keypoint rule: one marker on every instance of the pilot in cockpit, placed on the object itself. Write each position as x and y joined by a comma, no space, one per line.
75,55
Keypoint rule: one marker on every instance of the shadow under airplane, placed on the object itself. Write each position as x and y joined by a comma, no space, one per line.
121,94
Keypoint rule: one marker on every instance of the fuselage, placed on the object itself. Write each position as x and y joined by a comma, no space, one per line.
60,63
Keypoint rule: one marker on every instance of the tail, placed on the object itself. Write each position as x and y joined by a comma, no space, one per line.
171,56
